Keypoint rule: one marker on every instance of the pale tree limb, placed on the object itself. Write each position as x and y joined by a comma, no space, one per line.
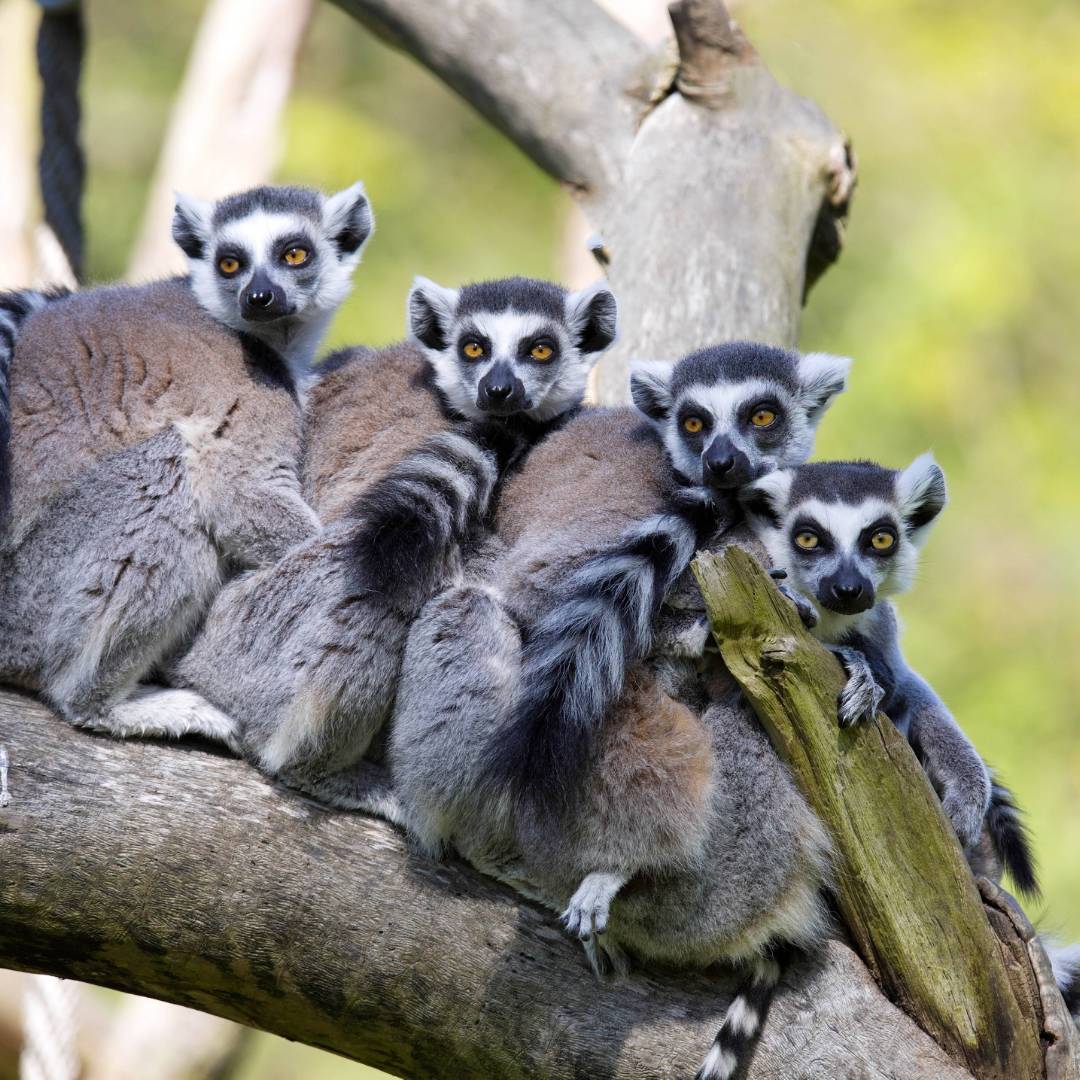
718,193
224,134
902,883
173,872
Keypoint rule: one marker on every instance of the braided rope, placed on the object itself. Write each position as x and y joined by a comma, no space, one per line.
50,1027
61,166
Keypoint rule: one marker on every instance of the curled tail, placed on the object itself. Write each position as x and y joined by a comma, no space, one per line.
1010,840
575,658
15,309
746,1015
413,522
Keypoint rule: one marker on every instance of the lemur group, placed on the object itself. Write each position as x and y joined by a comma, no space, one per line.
426,581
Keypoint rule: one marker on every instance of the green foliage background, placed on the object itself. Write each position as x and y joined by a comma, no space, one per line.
957,295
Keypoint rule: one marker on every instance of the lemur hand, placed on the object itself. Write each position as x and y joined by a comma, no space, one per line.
861,696
807,611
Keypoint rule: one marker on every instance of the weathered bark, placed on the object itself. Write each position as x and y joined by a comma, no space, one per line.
713,187
903,885
178,873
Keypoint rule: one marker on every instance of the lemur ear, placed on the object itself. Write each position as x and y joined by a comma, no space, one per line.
650,388
592,318
767,496
822,376
191,224
921,494
348,219
430,311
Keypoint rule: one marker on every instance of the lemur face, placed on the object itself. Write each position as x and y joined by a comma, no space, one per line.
731,413
513,346
273,256
847,533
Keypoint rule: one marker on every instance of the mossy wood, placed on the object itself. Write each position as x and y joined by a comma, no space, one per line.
904,888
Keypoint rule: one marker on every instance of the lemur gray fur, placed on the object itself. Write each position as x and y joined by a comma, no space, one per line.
848,536
155,439
406,449
678,836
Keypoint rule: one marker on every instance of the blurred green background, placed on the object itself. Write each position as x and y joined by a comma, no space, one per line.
957,295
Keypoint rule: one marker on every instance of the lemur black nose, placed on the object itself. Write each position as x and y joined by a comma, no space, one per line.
848,593
262,299
498,391
720,466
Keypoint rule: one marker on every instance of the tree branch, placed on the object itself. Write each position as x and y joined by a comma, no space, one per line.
174,872
903,886
553,76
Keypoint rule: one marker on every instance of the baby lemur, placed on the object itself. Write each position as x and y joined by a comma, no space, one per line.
676,835
155,437
848,536
406,449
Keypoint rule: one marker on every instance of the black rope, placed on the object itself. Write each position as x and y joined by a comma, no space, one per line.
61,166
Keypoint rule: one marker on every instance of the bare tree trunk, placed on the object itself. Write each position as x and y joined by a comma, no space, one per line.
173,872
224,134
712,187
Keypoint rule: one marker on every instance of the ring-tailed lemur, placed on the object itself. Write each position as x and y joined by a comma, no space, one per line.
725,857
305,655
848,536
724,416
155,438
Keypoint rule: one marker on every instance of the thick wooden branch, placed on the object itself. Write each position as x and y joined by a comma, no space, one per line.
903,885
178,873
550,75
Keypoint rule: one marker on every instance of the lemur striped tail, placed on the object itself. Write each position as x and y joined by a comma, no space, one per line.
15,309
413,521
746,1015
1010,840
575,657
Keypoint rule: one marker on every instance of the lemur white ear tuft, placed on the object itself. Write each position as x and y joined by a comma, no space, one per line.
766,498
348,220
191,224
592,317
822,376
430,312
650,388
921,495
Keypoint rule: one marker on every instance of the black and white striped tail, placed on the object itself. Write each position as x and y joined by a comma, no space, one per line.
746,1015
412,523
575,658
1010,840
15,309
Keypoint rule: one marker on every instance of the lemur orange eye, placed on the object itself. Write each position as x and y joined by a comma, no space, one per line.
541,352
693,424
762,417
296,256
473,350
807,539
883,540
228,265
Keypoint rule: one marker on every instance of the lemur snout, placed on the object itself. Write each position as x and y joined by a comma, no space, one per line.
261,301
499,391
724,465
846,592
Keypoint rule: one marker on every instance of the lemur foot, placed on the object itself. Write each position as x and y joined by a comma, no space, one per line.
587,912
807,611
861,696
605,957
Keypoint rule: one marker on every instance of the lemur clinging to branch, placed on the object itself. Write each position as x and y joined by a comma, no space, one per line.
155,437
848,536
725,858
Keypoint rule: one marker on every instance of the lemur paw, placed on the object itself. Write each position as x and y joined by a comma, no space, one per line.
605,957
807,611
587,912
861,697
